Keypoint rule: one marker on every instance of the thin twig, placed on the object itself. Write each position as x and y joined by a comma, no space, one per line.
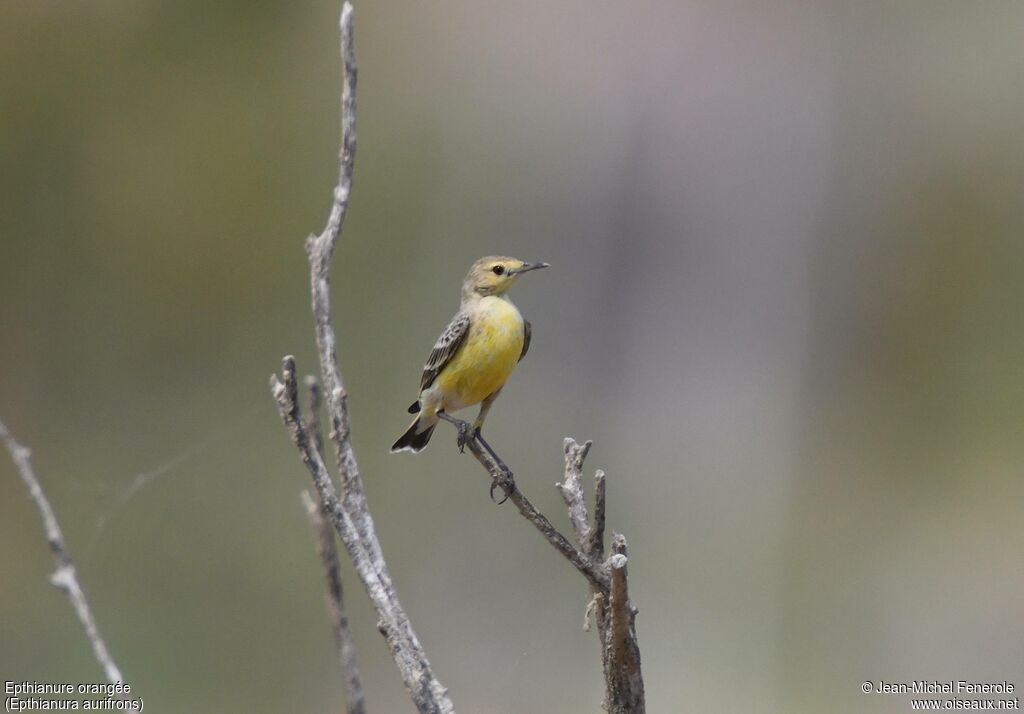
609,604
65,576
503,478
355,700
595,545
350,513
427,693
315,403
571,489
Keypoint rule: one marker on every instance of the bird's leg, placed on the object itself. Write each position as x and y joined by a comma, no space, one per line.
485,406
467,433
478,425
465,430
483,443
505,480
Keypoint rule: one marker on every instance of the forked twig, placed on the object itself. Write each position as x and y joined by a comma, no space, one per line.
609,604
348,511
355,699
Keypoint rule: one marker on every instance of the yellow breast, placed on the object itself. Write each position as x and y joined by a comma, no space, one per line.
488,356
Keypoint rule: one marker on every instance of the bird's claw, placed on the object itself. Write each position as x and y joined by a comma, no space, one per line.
466,433
506,483
494,485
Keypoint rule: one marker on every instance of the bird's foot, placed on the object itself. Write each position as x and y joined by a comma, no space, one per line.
501,474
502,477
466,433
505,482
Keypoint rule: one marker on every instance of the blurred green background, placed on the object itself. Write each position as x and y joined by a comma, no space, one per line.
787,243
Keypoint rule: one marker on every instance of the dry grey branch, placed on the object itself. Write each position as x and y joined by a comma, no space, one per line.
609,604
427,693
594,547
315,403
502,477
349,512
355,699
621,654
353,683
571,489
64,577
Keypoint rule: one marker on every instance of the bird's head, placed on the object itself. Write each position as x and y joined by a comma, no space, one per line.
495,274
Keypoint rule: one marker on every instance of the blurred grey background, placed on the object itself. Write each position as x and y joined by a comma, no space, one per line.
785,303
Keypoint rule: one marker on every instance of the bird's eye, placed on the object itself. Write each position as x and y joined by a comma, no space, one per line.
498,269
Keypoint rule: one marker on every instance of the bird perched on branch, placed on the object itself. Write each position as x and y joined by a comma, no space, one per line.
474,355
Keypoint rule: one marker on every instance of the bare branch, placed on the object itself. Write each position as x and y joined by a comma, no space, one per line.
503,478
65,576
355,700
350,513
572,489
315,403
353,682
595,544
320,250
427,693
623,679
323,245
609,605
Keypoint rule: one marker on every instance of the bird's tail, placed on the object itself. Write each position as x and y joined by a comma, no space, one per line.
416,436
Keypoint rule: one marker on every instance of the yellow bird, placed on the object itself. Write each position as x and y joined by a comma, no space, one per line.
474,355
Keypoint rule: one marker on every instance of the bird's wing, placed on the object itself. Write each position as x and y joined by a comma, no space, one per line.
527,334
445,348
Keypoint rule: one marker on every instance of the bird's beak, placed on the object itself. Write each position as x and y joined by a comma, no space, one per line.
527,267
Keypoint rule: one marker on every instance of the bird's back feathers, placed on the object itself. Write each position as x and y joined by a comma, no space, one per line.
445,348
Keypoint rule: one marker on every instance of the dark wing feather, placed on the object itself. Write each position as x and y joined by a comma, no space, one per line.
527,334
447,345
